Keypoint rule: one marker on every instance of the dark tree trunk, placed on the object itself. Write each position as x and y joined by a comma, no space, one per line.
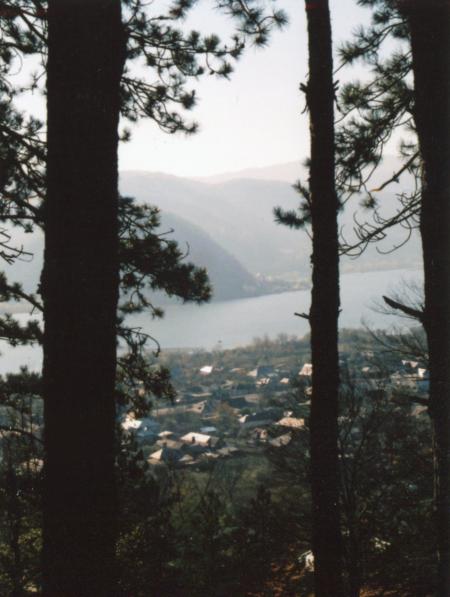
324,307
80,291
430,41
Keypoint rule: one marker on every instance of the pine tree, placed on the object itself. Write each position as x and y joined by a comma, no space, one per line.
320,209
324,311
87,88
86,52
422,109
429,25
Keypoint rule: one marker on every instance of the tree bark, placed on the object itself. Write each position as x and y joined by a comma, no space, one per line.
429,23
324,311
80,292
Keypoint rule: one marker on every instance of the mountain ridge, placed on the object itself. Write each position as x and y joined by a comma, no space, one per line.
230,229
238,214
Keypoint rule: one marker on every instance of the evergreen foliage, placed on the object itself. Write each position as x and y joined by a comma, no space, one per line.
370,113
161,59
171,57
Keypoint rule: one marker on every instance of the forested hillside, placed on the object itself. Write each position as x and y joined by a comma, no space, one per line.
225,227
228,276
238,215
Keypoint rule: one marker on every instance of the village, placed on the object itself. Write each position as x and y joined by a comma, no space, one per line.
235,435
235,403
225,410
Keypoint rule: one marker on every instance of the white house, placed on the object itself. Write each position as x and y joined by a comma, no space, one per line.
306,370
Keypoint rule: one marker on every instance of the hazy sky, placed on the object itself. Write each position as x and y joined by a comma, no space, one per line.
253,119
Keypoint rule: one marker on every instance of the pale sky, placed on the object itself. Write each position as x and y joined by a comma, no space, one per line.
252,120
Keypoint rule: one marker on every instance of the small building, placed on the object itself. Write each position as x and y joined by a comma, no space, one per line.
206,370
165,434
208,429
130,423
263,417
33,465
143,428
306,370
186,460
173,444
166,455
419,410
410,364
291,422
252,398
190,397
200,439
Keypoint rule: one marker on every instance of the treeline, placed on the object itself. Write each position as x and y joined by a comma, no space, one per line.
386,347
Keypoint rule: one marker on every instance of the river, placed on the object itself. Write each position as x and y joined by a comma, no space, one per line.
233,323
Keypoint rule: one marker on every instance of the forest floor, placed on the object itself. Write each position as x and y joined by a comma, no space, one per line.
287,579
290,579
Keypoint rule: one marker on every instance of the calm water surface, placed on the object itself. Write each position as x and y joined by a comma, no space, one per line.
238,322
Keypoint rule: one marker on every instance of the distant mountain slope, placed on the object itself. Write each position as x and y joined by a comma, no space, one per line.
238,214
229,278
230,229
288,172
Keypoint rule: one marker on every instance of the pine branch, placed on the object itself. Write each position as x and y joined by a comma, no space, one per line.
414,313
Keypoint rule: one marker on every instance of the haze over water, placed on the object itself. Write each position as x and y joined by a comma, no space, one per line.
238,322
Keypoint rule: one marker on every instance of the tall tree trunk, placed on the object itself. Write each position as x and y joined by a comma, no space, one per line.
429,22
80,291
324,307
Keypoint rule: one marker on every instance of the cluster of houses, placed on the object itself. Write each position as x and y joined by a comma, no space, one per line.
270,426
251,419
190,449
238,410
224,412
411,375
